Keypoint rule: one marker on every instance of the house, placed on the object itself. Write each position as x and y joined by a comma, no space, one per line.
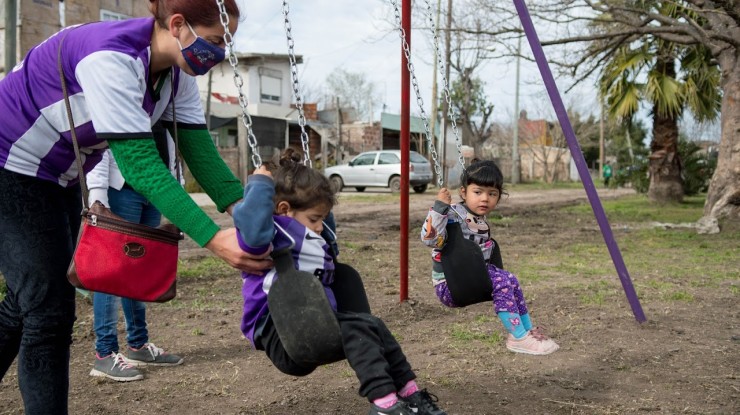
268,89
541,156
534,132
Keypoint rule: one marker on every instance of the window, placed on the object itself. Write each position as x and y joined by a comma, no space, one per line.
271,83
109,15
364,160
417,158
388,158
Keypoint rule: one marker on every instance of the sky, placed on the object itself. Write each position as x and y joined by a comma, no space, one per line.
359,36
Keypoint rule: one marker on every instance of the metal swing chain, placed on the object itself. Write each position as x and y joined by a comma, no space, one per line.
296,89
445,84
239,82
419,100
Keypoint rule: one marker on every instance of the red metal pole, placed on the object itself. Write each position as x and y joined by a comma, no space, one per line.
404,141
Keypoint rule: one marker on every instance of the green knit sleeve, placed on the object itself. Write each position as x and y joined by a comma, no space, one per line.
141,166
208,168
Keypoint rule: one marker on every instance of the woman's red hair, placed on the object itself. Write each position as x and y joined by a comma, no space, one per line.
196,12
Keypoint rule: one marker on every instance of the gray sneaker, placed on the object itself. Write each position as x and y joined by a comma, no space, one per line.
115,366
149,354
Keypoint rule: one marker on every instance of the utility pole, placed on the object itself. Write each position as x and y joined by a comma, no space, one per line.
435,139
515,172
11,34
338,155
445,105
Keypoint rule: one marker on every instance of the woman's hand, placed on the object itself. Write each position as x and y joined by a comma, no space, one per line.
444,196
224,244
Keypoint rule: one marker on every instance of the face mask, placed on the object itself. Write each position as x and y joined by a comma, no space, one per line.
201,55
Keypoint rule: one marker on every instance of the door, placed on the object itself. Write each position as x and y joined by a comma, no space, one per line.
360,171
389,164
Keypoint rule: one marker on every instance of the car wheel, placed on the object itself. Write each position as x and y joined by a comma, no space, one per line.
337,183
395,184
360,189
420,189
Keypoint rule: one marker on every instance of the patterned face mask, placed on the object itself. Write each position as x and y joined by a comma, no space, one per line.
201,55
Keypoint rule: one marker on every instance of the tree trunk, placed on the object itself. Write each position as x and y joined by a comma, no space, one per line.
723,197
665,165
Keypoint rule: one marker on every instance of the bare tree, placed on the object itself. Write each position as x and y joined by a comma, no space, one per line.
713,24
355,90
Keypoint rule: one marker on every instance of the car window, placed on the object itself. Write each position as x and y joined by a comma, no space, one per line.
417,158
364,160
388,158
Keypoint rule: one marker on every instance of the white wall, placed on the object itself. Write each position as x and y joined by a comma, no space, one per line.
222,81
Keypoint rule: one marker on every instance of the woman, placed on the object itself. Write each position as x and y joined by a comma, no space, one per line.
119,80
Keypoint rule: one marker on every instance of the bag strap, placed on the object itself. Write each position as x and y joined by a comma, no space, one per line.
73,132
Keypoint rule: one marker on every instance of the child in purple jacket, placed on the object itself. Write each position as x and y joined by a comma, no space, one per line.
299,199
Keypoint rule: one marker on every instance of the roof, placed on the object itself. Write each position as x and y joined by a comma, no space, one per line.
279,57
393,122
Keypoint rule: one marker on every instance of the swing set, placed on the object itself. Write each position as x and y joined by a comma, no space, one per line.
300,310
462,260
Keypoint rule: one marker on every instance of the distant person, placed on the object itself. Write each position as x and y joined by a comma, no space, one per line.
300,199
481,189
108,186
607,173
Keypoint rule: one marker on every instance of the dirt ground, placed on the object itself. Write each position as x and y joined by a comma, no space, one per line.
683,360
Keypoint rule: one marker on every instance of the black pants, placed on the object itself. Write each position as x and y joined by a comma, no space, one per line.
39,221
369,346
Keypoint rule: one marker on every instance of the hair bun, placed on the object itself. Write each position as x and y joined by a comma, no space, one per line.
290,157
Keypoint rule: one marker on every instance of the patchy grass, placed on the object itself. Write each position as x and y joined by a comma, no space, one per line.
667,265
372,198
539,185
205,267
638,208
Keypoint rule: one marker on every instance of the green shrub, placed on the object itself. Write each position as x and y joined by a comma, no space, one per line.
635,175
697,168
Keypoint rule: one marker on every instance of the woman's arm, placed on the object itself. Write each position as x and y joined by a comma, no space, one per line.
208,168
142,168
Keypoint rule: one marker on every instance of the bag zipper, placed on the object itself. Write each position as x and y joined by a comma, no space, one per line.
134,229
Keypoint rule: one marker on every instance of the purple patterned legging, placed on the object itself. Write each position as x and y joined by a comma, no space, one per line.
507,293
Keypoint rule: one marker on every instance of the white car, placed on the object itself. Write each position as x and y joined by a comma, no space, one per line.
381,169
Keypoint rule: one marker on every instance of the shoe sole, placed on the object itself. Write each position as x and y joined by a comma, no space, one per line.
140,363
97,373
525,351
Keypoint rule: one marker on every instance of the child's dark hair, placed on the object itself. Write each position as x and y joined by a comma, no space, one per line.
301,186
483,173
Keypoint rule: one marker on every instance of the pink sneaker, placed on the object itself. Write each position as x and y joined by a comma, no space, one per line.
535,342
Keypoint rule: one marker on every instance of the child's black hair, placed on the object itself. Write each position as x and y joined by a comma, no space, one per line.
301,186
483,173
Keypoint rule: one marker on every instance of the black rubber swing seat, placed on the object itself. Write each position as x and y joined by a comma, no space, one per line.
465,269
300,310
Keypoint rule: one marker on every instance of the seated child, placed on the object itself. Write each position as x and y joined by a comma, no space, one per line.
481,189
299,199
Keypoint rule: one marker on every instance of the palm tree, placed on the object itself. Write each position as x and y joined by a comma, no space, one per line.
646,70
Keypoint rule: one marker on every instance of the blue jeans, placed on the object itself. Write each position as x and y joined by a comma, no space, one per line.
133,207
39,221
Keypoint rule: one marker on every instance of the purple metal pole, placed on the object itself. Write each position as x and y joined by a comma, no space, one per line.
575,151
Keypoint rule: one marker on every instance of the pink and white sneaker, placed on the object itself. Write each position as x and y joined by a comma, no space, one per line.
535,343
